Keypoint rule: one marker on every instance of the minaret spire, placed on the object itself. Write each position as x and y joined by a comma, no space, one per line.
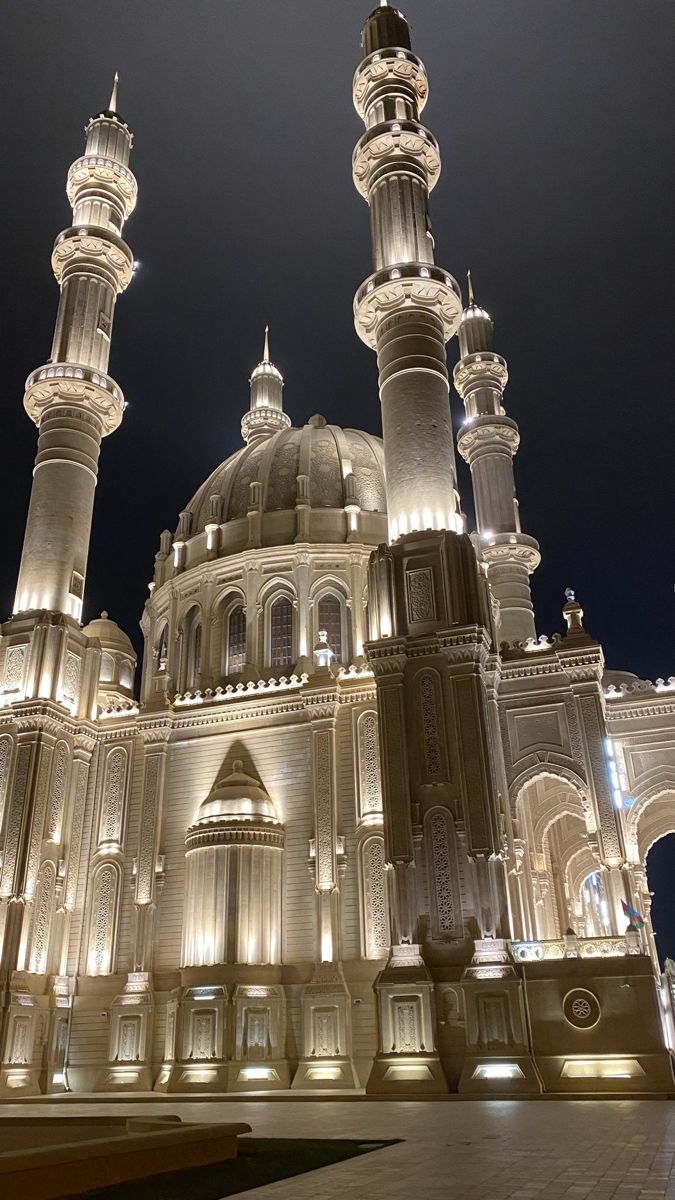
266,412
469,285
72,399
112,107
488,442
408,308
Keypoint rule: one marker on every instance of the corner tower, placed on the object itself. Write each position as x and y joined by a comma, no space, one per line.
72,399
488,442
408,308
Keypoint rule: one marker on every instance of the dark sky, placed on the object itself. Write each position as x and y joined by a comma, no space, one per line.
555,122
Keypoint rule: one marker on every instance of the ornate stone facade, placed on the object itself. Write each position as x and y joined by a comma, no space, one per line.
360,828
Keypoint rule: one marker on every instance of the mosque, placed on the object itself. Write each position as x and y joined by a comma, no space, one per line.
360,828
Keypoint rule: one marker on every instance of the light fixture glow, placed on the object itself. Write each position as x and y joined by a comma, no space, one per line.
601,1068
408,1071
251,1074
498,1071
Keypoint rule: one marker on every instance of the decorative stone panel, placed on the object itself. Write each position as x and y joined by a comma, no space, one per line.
370,781
441,856
420,592
103,919
376,939
43,909
112,801
58,784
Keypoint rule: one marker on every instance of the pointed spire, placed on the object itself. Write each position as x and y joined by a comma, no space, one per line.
112,107
266,412
470,287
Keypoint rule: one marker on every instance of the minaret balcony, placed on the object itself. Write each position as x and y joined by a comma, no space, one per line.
512,547
93,249
101,175
263,422
406,286
395,146
389,71
76,385
484,369
487,434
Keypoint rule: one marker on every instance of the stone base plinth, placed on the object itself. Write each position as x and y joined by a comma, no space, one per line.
503,1076
409,1074
325,1074
124,1077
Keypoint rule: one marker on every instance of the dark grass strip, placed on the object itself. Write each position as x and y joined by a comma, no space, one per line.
260,1161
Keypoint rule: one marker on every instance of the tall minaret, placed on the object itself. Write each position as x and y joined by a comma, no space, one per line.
488,442
429,619
72,399
409,308
266,413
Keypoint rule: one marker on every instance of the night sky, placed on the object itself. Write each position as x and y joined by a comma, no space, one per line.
555,122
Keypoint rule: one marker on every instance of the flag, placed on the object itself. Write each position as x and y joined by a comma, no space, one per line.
633,915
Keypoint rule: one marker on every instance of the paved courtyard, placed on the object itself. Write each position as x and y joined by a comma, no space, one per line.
489,1150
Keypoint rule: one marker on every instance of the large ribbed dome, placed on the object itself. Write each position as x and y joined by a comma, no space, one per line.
324,454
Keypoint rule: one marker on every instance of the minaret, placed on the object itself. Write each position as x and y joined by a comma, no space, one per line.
488,442
266,414
408,308
429,620
72,399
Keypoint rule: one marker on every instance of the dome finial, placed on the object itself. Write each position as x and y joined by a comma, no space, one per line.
112,107
266,412
472,299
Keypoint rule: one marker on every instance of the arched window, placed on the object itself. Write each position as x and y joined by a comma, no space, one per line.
163,648
192,639
281,633
236,641
107,668
330,619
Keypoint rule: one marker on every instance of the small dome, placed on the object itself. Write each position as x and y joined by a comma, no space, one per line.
238,798
323,453
110,635
474,310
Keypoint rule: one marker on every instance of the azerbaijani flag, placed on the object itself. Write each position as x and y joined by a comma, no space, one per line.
633,914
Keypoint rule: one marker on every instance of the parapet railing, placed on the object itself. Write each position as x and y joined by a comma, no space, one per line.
572,946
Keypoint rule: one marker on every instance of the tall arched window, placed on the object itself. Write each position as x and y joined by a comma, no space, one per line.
281,633
192,637
330,619
163,648
236,641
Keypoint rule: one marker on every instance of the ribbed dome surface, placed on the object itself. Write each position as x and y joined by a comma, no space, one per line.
325,454
237,797
110,635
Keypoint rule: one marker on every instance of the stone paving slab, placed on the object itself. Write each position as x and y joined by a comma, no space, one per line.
486,1150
